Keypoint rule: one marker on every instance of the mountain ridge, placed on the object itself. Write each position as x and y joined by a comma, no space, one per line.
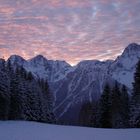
74,85
131,47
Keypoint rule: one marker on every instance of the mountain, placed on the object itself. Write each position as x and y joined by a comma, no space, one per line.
42,68
122,69
72,86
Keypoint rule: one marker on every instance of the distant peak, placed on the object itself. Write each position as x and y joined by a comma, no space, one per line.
15,58
39,57
133,46
132,49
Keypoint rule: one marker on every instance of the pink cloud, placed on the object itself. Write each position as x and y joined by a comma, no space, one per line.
67,30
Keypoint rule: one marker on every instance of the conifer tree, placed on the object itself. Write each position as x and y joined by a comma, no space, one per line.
4,94
104,108
85,115
135,100
47,101
125,107
16,102
94,115
22,97
116,107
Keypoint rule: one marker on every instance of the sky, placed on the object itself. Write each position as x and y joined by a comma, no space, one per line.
70,30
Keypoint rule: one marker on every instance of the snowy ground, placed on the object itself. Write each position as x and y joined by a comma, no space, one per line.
18,130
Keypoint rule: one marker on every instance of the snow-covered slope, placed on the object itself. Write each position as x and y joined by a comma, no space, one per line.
42,68
72,86
17,130
86,81
83,84
123,68
48,69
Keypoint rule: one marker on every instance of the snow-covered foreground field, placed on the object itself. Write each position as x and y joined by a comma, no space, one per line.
17,130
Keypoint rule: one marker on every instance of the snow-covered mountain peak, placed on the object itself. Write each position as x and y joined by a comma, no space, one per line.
39,59
47,69
133,46
123,68
16,59
130,56
132,50
59,63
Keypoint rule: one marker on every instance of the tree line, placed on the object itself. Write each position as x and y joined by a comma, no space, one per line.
115,108
22,97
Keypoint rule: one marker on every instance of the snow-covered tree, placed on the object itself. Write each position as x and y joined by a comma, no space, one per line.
16,101
47,101
22,97
4,93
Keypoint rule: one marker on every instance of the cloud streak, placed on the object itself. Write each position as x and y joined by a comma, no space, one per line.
72,30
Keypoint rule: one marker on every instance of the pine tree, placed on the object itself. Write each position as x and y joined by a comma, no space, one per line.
135,100
48,94
16,102
104,109
47,101
32,106
4,94
125,107
116,107
85,115
94,115
31,95
22,97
